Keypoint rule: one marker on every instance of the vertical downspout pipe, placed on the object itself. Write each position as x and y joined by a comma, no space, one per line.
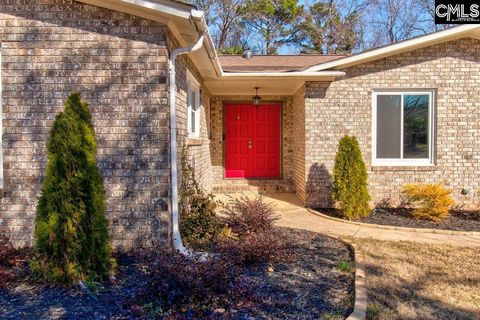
176,237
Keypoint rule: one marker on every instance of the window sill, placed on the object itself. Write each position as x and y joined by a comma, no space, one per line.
387,167
194,141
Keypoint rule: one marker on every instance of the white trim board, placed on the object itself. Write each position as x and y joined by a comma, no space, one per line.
431,126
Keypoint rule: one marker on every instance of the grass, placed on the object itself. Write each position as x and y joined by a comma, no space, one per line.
407,280
346,266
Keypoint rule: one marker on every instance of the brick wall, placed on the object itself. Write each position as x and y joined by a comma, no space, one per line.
119,64
298,140
345,107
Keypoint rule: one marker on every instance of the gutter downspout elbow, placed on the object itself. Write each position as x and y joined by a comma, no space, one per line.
176,237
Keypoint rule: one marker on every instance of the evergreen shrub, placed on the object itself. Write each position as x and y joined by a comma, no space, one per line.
71,237
350,186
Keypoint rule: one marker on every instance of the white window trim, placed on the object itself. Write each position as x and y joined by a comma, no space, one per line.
431,125
193,85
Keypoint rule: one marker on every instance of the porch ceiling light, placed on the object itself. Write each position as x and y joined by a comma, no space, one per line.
256,99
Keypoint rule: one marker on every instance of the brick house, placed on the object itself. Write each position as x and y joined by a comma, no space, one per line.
413,105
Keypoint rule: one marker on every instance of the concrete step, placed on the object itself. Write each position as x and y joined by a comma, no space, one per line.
254,186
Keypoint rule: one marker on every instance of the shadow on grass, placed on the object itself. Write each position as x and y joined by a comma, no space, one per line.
406,299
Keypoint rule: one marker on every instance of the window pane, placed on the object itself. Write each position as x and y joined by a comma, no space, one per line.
189,97
415,127
192,121
195,99
388,126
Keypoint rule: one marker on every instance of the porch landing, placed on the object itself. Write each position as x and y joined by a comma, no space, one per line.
253,186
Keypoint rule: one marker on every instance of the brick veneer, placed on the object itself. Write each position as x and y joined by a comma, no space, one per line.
298,140
345,107
118,63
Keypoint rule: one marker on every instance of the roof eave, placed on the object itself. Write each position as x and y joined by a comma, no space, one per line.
185,22
318,75
270,83
400,47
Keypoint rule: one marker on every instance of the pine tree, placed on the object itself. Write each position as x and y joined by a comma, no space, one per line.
72,241
350,189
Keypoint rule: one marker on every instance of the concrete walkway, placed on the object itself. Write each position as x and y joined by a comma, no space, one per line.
294,215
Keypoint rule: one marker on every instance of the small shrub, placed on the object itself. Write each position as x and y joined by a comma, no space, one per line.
199,225
350,189
255,240
72,241
430,201
185,288
256,248
245,215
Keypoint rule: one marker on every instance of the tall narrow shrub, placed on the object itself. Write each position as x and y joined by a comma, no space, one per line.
199,224
72,241
350,180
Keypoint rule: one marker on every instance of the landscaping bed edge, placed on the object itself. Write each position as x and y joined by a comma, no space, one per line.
406,229
360,303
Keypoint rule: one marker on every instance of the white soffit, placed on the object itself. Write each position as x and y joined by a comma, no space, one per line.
247,87
269,84
173,14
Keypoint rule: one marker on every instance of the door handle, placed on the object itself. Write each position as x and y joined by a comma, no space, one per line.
250,144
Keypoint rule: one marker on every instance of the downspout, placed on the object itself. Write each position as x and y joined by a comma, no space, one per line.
176,237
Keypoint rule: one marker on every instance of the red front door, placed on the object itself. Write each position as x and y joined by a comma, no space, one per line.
252,141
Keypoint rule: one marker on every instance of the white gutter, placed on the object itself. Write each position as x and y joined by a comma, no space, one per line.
176,237
198,19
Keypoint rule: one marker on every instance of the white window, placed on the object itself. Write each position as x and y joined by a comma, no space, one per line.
193,103
402,128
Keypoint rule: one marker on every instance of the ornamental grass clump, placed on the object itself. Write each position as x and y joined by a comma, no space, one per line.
71,237
430,201
350,188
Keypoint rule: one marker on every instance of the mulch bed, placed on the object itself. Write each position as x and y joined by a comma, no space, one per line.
401,217
23,299
309,287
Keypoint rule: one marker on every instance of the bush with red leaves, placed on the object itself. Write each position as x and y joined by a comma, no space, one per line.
188,288
256,249
256,240
245,215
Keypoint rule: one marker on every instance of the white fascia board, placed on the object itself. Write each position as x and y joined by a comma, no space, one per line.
298,74
166,7
404,46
